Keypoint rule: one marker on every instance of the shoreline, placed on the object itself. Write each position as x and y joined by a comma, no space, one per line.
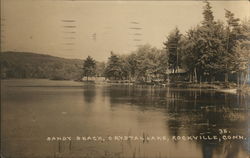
228,87
225,87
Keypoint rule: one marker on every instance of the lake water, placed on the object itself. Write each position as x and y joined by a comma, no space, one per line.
35,112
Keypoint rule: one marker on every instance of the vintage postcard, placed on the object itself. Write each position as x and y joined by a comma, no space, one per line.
125,79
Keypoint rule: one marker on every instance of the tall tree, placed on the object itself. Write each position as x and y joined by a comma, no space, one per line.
89,67
172,46
191,54
232,31
208,17
237,53
242,51
203,47
209,44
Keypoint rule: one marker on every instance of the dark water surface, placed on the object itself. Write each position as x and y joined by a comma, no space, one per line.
33,110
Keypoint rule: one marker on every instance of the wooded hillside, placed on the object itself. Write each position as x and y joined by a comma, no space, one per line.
31,65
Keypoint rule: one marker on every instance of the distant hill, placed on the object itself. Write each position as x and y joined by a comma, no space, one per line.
32,65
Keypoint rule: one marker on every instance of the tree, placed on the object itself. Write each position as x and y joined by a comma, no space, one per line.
172,46
228,59
114,67
132,65
209,46
203,48
237,52
161,64
189,58
89,67
145,63
208,17
242,52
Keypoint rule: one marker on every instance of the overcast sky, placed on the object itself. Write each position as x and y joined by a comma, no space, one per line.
76,29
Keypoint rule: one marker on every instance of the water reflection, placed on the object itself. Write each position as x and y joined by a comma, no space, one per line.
90,110
193,112
89,93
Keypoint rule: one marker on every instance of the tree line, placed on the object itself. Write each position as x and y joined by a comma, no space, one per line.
211,51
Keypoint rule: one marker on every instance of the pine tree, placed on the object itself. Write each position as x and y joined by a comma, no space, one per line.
114,67
89,67
203,48
208,15
209,44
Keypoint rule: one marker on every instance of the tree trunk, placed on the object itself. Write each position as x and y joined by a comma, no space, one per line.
226,77
200,80
241,77
238,80
195,75
245,79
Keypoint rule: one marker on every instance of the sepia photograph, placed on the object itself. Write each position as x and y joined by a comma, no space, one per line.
125,79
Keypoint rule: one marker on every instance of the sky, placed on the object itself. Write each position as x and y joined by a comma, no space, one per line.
76,29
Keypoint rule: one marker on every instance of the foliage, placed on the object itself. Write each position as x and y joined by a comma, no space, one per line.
114,67
213,49
100,67
144,64
208,51
173,46
89,67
